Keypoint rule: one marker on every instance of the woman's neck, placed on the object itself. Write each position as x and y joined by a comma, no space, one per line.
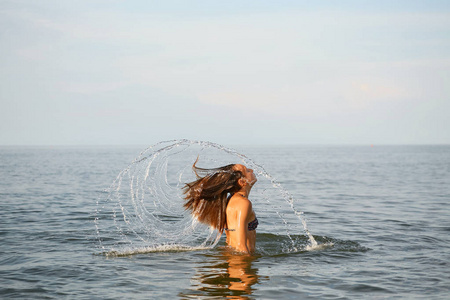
244,192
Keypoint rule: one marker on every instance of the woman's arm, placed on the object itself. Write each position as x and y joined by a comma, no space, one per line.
244,211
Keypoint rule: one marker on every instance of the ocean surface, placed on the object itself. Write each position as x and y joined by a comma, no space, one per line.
380,216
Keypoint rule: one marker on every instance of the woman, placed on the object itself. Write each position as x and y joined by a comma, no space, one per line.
219,198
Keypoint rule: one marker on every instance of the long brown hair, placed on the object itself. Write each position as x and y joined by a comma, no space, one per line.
207,197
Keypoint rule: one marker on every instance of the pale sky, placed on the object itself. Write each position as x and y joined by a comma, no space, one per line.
231,72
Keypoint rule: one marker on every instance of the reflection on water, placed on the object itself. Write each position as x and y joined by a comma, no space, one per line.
225,274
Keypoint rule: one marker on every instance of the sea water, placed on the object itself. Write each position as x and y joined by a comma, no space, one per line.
380,216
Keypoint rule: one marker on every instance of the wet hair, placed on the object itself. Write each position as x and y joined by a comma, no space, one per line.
207,197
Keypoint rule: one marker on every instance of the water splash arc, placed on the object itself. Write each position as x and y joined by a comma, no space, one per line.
143,209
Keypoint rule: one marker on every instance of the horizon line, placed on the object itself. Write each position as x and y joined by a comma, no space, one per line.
230,144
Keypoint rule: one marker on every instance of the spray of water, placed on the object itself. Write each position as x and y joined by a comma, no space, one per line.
144,212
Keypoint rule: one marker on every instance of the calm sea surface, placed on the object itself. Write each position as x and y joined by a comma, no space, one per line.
383,214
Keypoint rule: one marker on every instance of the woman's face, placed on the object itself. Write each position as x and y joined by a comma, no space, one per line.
249,176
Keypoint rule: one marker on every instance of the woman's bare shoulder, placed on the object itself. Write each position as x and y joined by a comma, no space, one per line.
241,203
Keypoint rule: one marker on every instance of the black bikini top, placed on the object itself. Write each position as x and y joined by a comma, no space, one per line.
251,225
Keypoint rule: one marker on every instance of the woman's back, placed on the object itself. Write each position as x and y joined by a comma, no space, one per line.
239,213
